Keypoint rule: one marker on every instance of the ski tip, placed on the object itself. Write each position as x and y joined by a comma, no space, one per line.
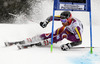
5,44
19,47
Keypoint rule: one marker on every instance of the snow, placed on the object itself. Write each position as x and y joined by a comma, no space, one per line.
42,55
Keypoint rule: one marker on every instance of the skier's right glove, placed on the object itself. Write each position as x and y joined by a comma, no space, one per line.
44,24
66,47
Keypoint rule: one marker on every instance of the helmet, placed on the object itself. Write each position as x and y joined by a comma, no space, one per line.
65,15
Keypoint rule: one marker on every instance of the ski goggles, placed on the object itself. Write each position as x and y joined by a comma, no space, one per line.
63,20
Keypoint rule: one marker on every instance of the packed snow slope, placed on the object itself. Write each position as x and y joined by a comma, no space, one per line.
42,55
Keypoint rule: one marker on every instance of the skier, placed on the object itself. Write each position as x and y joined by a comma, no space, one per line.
71,30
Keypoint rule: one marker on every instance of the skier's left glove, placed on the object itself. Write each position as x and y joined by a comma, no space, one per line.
44,23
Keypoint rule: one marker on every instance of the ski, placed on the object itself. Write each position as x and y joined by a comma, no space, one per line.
9,44
24,46
13,43
80,47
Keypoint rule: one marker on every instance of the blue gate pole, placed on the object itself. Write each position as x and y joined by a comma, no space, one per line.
52,27
91,48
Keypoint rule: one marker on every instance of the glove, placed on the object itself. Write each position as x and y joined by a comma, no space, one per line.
44,24
66,47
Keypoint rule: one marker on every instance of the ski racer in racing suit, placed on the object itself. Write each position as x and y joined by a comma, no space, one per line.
71,30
